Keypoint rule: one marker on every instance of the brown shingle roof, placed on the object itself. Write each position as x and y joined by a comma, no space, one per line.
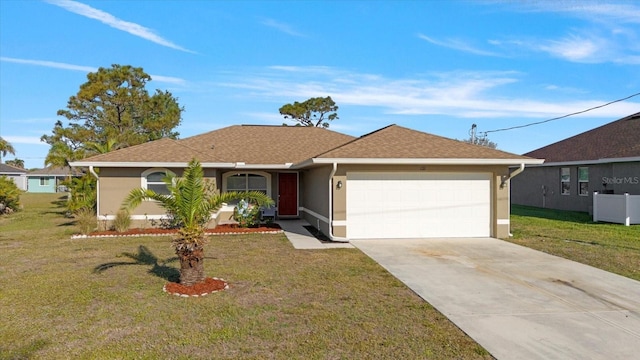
256,144
618,139
397,142
251,144
55,171
163,150
10,169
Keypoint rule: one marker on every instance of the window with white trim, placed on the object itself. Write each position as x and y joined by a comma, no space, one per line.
583,181
44,181
152,179
246,182
565,181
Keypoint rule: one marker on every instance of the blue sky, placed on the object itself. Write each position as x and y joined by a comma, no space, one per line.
435,66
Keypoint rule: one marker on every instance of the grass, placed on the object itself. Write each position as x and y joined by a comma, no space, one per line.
102,299
574,236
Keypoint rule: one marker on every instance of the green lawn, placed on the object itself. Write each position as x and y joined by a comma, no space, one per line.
102,299
573,235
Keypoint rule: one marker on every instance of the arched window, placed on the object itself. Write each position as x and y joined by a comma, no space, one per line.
152,179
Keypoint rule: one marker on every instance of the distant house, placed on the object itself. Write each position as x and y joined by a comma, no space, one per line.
605,159
18,175
49,179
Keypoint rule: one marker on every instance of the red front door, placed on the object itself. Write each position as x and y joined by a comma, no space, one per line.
288,194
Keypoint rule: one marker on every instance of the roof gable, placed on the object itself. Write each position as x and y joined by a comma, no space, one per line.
397,142
617,139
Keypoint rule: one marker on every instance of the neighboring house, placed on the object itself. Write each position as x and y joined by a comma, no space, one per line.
392,183
49,179
605,159
18,175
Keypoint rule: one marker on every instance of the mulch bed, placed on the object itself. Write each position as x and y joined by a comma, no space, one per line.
208,286
227,229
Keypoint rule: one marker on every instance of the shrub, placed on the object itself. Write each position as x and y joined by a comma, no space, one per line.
246,214
83,195
86,220
122,221
9,196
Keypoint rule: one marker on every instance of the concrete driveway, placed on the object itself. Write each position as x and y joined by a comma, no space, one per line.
516,302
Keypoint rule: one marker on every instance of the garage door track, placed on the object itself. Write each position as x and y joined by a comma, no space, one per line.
516,302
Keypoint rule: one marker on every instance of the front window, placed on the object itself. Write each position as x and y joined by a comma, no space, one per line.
565,181
583,181
247,182
152,179
44,181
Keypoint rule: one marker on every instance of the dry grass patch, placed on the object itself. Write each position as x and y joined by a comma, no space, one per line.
574,236
103,299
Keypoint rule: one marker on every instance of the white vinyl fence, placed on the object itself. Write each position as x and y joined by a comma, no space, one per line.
620,209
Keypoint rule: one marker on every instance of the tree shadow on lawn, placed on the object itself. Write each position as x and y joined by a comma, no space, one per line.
552,214
145,257
25,352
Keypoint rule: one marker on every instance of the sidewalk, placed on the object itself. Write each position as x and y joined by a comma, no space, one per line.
301,238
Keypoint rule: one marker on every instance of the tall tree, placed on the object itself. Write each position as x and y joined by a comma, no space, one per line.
113,105
312,112
483,141
5,148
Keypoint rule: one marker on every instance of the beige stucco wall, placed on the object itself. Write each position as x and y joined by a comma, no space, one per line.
315,195
114,185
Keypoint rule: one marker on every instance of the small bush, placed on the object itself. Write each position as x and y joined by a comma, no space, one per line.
86,220
247,215
122,221
9,196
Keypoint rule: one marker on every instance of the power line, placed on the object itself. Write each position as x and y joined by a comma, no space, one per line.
563,116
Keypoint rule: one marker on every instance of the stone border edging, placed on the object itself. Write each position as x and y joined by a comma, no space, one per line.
169,234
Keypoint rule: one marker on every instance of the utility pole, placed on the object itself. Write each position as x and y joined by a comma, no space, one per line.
472,132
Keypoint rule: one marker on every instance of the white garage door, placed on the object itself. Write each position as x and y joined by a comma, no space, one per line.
415,205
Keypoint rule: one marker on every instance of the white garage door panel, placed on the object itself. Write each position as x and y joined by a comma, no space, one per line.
412,205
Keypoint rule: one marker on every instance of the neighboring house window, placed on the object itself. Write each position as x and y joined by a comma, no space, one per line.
44,181
152,180
253,181
565,181
583,181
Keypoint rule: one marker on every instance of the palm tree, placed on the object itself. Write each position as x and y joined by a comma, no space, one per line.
19,163
5,148
190,202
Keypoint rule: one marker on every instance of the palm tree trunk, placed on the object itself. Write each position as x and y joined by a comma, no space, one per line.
191,266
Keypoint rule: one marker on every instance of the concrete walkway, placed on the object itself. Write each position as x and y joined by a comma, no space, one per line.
516,302
301,238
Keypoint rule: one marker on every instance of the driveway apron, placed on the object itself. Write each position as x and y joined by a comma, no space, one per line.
516,302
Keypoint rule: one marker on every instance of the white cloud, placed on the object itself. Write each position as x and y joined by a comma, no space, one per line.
114,22
285,28
609,32
28,140
574,48
621,12
457,44
462,94
51,64
87,69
